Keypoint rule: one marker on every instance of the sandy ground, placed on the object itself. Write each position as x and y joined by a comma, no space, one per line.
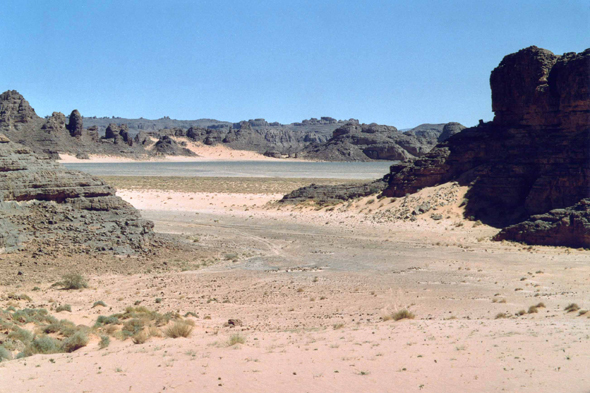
315,289
204,153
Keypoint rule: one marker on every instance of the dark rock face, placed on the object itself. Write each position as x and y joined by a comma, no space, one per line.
44,205
560,227
534,156
334,194
168,146
118,134
75,126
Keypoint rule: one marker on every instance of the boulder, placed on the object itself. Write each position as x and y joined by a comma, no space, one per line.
559,227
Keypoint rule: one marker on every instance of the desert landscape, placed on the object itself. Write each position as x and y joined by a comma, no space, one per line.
285,297
322,255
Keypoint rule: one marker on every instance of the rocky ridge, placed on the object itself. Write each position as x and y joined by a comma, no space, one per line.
365,142
48,208
324,139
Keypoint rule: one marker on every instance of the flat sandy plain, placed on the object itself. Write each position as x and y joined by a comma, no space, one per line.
315,289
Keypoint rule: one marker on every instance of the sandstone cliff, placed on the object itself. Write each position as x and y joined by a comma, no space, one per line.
532,158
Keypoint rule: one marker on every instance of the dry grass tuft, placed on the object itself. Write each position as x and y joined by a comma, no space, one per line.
179,329
72,281
140,337
236,339
402,314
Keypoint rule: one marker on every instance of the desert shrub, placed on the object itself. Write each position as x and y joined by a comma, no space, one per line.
106,320
572,307
31,315
5,354
45,344
140,337
72,281
64,327
99,303
105,341
155,332
402,314
236,339
76,341
521,312
22,296
64,307
179,329
133,326
21,335
533,309
540,305
501,315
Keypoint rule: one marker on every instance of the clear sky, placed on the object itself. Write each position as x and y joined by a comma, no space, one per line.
400,63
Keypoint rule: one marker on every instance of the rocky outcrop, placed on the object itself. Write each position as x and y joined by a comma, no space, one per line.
75,126
365,142
169,147
15,111
323,195
50,136
560,227
533,157
55,124
118,134
47,207
449,130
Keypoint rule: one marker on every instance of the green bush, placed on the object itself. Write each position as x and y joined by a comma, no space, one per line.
64,307
21,335
5,354
76,341
105,341
45,345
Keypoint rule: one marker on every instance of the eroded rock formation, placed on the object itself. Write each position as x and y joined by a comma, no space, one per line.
47,207
532,158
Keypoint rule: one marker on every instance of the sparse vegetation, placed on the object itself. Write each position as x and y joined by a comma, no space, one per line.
236,339
105,341
99,303
76,341
72,281
64,307
572,307
179,329
402,314
140,337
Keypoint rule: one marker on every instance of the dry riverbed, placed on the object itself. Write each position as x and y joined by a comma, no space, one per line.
313,295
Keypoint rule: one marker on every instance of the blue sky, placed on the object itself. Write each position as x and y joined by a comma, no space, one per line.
400,63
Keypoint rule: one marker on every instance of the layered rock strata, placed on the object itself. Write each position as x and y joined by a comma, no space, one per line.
44,206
